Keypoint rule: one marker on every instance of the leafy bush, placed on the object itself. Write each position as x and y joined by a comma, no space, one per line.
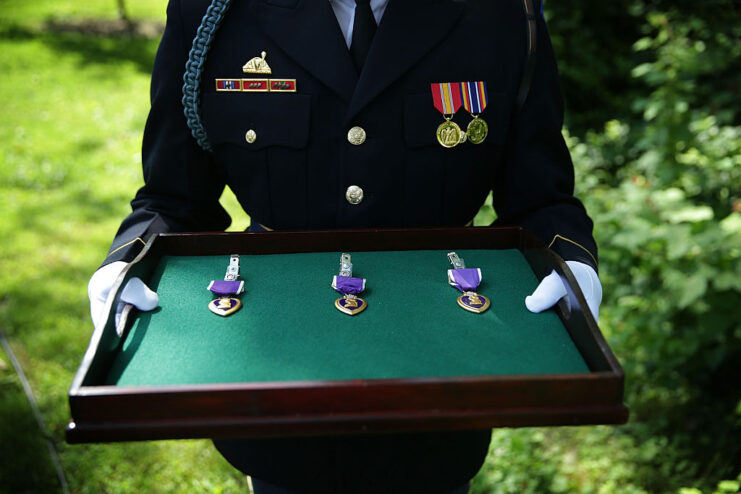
652,91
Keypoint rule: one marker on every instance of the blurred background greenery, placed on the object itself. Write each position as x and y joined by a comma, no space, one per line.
654,126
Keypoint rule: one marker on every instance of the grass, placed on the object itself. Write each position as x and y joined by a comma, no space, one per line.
72,115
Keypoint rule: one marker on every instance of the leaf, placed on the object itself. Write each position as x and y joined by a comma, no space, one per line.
729,486
732,223
678,242
728,281
693,214
642,44
691,289
642,69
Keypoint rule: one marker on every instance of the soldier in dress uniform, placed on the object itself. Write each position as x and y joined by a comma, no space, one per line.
325,115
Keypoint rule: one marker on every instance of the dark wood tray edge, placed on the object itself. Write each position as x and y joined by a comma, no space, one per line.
322,424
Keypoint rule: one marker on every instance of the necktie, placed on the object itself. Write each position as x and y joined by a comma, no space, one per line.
363,29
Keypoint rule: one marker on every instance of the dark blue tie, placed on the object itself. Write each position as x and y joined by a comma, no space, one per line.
363,30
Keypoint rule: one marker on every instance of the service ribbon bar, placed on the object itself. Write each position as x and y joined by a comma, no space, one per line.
256,85
282,85
229,85
474,96
446,97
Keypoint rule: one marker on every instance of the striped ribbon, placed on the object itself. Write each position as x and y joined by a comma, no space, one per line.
447,97
474,96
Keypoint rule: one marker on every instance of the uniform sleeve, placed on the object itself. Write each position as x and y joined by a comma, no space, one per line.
535,187
182,184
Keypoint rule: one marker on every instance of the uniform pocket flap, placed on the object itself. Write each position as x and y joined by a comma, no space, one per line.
256,121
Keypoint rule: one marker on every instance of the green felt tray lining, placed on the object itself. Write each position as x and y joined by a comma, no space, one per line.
289,330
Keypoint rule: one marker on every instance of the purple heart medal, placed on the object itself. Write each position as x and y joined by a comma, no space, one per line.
348,286
467,280
226,305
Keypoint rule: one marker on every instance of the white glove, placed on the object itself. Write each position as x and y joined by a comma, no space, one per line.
135,293
552,289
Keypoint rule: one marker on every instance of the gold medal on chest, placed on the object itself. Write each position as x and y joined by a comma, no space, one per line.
474,97
446,96
449,134
477,130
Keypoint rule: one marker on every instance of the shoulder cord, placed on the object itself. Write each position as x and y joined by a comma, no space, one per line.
194,69
532,36
210,24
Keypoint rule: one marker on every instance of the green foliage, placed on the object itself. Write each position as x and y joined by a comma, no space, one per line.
602,46
74,106
660,173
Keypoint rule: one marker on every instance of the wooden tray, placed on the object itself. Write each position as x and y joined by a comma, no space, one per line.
103,410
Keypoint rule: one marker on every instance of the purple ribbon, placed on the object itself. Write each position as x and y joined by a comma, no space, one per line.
225,288
348,285
466,279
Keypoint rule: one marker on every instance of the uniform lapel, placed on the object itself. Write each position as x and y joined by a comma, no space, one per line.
307,30
408,30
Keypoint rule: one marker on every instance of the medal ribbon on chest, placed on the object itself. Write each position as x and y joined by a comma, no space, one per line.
446,97
467,281
349,287
226,305
474,98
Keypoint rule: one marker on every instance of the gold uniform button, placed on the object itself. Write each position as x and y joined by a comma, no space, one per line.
354,195
356,136
250,136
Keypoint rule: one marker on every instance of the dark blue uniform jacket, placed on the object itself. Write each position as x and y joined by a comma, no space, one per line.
296,172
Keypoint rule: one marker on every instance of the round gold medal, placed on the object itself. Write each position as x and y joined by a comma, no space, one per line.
477,131
449,134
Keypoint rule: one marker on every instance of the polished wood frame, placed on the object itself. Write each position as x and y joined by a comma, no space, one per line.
129,413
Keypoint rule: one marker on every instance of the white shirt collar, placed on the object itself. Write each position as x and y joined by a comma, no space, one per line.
344,10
